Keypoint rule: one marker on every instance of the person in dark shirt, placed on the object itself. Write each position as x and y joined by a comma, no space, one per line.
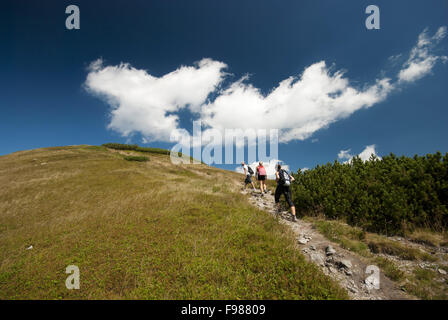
284,180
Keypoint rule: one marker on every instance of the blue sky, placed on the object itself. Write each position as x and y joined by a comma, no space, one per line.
44,100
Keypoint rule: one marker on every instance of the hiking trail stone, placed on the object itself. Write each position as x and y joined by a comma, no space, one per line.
344,263
330,251
343,266
317,258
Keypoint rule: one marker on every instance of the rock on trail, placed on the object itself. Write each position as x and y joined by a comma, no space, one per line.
343,266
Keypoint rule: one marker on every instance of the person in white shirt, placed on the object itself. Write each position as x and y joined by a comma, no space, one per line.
248,176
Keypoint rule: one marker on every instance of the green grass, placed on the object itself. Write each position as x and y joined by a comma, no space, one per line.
399,250
149,230
425,286
348,237
136,158
134,147
389,269
429,238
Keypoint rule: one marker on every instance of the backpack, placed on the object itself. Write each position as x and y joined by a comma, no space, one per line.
284,178
249,169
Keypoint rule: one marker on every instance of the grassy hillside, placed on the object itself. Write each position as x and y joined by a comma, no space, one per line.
140,230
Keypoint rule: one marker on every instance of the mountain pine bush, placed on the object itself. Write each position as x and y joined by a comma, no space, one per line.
389,196
134,147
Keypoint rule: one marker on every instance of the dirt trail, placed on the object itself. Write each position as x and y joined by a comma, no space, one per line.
346,267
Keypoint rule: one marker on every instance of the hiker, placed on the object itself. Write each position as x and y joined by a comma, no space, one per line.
248,172
261,177
284,180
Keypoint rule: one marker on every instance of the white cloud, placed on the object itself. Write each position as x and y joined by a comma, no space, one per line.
269,166
421,61
298,106
345,154
146,104
364,155
368,152
395,58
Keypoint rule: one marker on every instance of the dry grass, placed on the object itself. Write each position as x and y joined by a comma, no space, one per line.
140,230
429,238
381,245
